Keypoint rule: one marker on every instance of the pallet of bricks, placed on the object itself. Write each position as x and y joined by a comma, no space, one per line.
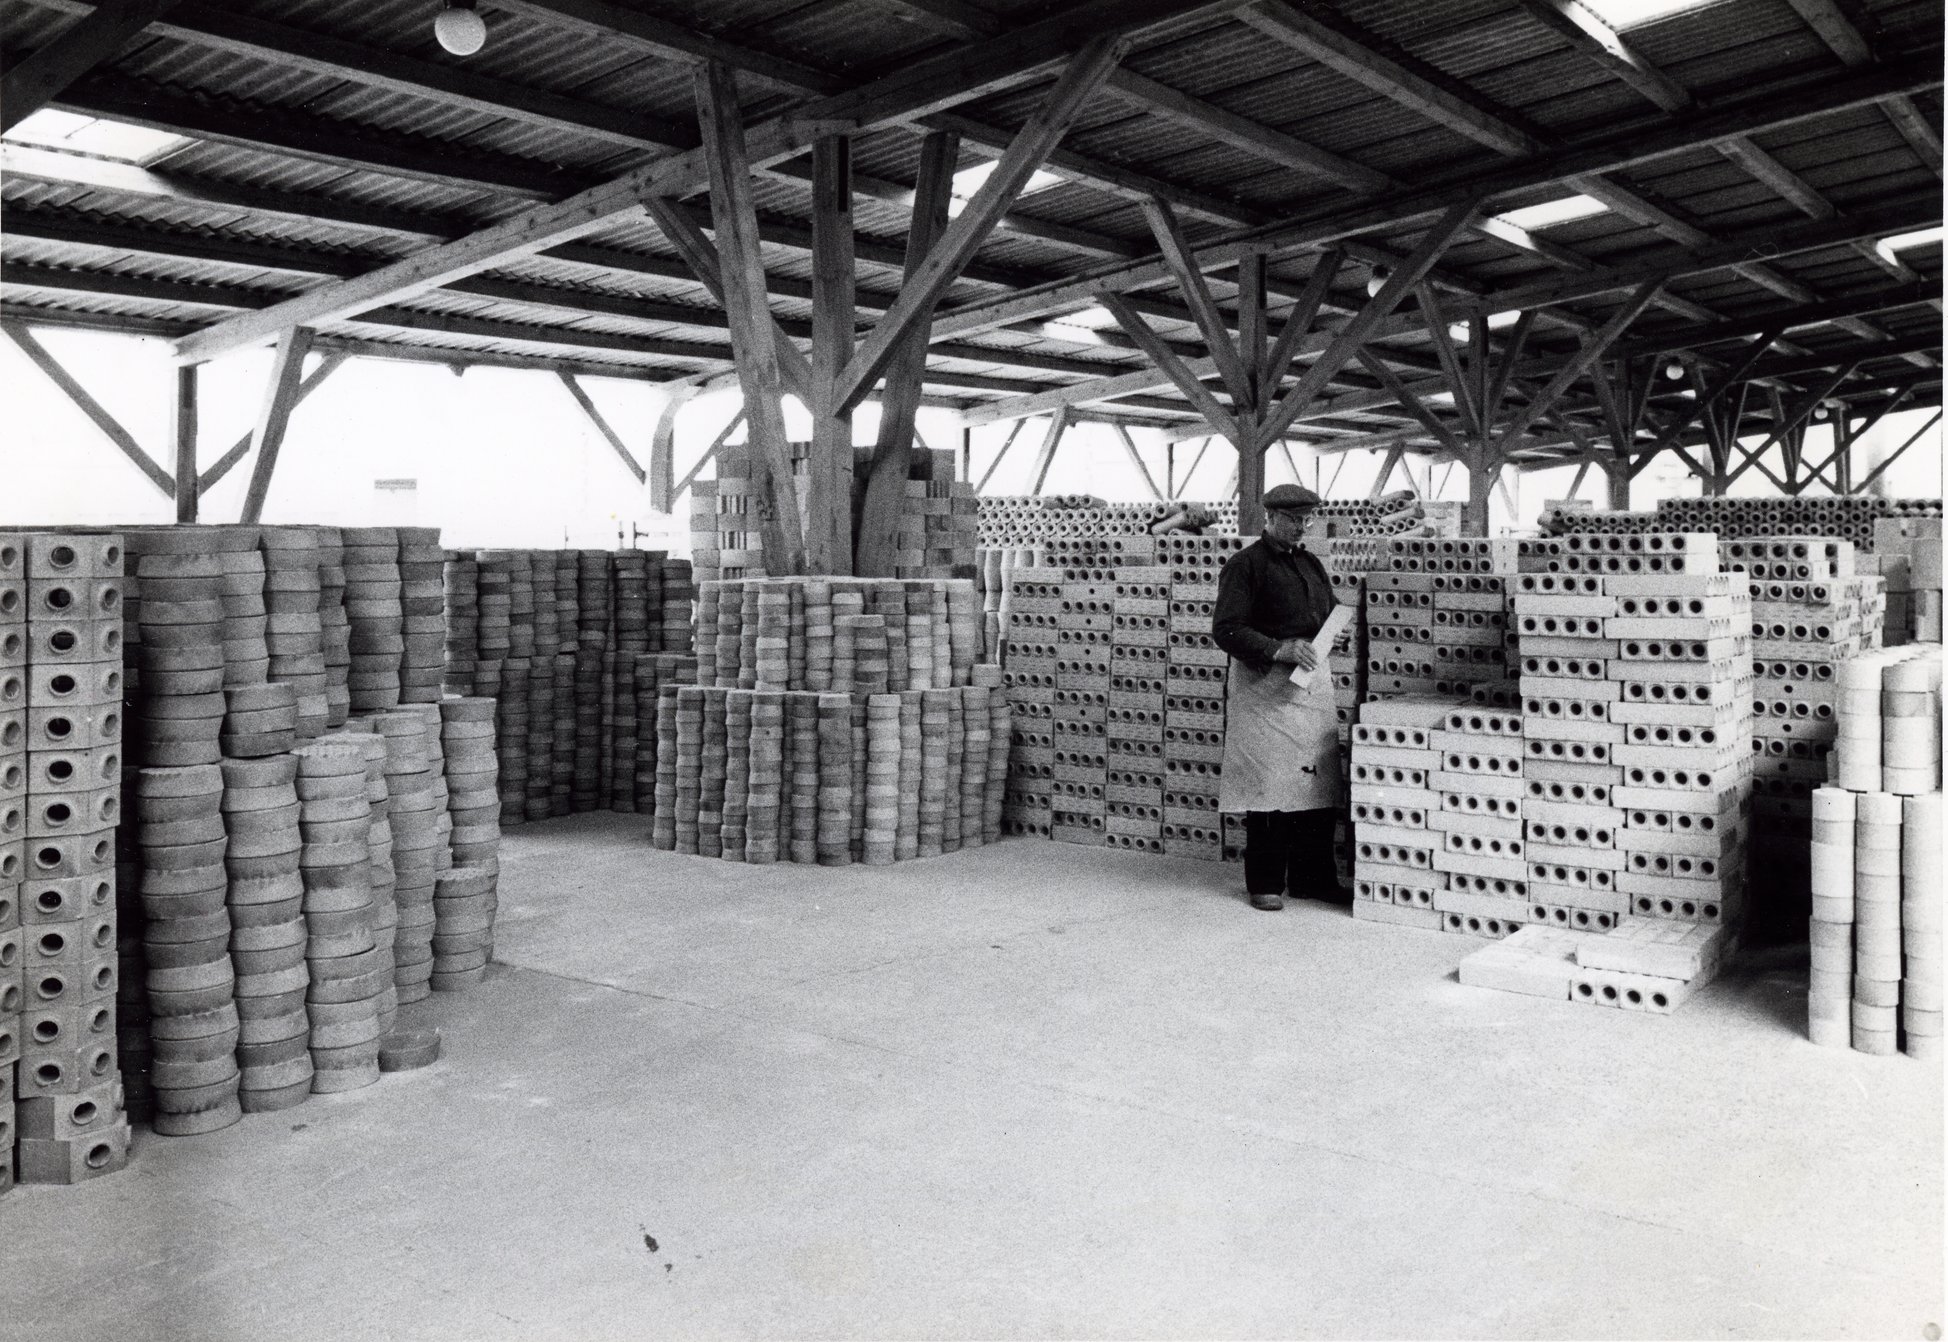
1431,827
1876,855
1118,689
197,915
835,720
565,643
1811,612
1896,539
1598,832
939,519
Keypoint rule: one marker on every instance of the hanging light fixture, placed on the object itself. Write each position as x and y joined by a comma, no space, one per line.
1673,370
459,29
1373,283
1820,411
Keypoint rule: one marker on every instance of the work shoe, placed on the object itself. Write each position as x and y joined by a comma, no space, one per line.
1270,903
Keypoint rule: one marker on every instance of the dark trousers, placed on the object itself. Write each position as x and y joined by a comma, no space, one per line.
1289,851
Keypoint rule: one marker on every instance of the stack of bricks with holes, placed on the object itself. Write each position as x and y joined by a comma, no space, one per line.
1118,690
1811,612
1636,693
61,1110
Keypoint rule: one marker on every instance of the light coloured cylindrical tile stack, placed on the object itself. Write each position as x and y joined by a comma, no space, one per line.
293,597
1876,860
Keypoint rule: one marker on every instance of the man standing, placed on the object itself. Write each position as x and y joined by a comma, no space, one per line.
1281,743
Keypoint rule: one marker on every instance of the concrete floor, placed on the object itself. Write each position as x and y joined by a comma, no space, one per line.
1027,1091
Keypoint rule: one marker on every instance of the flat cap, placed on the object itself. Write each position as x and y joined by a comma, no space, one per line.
1291,496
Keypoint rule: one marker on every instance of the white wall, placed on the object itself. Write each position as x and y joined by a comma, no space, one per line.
504,457
501,457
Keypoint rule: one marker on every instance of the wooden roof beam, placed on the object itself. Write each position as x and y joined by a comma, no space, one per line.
918,88
1784,106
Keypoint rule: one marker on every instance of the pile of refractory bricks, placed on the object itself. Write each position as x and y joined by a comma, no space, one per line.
1118,692
1877,862
836,720
61,1108
233,904
554,638
1596,829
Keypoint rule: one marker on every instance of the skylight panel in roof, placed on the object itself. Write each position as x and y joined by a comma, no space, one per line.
95,136
1552,212
1635,13
969,180
1900,242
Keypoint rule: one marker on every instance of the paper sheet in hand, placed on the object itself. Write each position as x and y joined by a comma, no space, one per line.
1329,632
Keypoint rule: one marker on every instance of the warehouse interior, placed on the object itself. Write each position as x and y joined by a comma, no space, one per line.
498,496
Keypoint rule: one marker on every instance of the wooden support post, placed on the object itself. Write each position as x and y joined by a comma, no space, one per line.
1482,477
1392,459
280,395
754,333
709,455
595,417
1250,481
241,448
183,432
885,498
1014,432
1582,473
828,534
662,449
1182,485
1057,426
97,414
1136,460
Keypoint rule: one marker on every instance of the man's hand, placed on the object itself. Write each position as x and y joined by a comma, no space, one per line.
1296,652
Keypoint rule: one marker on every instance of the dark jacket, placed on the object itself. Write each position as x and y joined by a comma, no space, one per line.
1267,595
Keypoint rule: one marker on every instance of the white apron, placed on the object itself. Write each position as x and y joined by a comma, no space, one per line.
1281,743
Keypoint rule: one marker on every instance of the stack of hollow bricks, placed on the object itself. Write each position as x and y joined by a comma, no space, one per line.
1436,757
1811,612
1599,830
1637,706
939,519
1118,690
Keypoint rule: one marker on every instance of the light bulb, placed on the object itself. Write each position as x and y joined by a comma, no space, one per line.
460,31
1674,370
1819,411
1373,284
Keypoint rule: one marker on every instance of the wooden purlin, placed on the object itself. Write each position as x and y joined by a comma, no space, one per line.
32,83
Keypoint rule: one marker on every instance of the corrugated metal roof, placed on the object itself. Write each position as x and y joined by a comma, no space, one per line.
345,175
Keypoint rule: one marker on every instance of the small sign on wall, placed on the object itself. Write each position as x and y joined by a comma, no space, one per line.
395,486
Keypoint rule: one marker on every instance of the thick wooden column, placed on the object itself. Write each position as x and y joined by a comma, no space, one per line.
885,495
183,432
754,335
1482,478
828,521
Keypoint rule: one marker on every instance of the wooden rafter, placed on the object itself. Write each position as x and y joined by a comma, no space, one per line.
956,246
